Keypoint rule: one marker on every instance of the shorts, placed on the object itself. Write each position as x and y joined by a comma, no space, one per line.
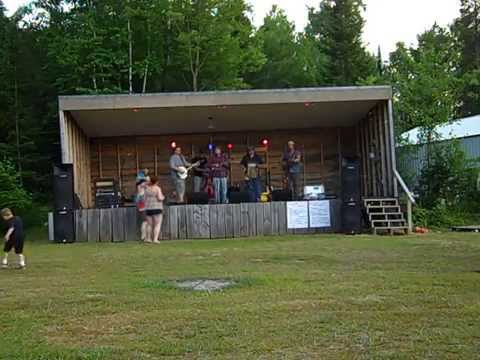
179,186
14,243
154,212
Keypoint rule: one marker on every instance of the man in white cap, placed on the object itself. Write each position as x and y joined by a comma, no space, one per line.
292,161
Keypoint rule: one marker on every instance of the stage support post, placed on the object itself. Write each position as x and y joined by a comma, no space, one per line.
409,216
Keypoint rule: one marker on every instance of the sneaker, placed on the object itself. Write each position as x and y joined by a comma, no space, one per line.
4,264
157,242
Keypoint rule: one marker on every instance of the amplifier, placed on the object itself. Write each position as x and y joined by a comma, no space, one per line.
107,200
107,194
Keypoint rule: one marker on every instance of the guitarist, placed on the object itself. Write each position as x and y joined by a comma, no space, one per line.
178,164
219,166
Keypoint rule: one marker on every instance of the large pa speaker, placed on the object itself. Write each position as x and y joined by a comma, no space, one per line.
281,195
64,226
352,217
351,187
63,187
198,198
239,197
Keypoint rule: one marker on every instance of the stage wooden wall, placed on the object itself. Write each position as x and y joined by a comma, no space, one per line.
122,157
77,152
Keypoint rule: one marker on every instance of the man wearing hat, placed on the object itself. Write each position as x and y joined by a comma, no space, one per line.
292,164
251,163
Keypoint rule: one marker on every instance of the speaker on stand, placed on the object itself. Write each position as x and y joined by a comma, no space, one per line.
64,203
351,196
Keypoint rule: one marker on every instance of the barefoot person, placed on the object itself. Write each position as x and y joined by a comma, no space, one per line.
154,209
13,238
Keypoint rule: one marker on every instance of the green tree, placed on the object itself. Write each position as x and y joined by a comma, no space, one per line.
12,195
467,30
425,82
214,43
337,27
292,60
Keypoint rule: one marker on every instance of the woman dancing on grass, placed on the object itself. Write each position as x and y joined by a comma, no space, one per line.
154,209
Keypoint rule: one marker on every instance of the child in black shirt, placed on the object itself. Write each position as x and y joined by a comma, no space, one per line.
13,238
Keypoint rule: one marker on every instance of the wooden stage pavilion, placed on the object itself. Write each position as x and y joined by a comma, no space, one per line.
114,136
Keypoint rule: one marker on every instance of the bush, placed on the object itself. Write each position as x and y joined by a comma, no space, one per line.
448,191
12,194
446,177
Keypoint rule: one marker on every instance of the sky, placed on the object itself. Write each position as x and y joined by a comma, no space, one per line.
387,21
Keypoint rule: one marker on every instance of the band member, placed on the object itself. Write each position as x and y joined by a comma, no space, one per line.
219,166
200,173
251,163
292,164
178,165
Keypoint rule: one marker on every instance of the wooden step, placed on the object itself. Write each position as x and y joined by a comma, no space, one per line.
383,209
380,202
388,223
386,216
391,230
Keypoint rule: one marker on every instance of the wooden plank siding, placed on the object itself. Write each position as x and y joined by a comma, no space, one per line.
78,153
196,222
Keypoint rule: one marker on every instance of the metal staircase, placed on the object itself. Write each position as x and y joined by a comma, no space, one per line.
385,216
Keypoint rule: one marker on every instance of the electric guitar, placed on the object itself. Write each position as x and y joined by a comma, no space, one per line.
183,171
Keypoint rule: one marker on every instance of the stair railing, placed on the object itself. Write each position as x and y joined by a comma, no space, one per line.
410,199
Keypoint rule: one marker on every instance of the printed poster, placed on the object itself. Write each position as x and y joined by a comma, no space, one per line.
297,215
319,214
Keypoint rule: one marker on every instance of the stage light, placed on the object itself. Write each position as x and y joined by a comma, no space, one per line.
173,144
210,147
230,146
265,142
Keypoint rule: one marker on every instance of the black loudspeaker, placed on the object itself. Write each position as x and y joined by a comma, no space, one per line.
64,226
281,195
351,187
63,187
239,197
198,198
352,217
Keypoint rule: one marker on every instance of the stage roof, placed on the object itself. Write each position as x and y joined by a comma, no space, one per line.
222,111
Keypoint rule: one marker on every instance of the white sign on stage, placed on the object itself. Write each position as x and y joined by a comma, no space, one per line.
319,212
297,215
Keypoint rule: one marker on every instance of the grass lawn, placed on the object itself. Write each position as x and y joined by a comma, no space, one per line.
298,297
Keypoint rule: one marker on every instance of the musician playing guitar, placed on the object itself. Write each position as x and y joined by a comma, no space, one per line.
219,167
179,168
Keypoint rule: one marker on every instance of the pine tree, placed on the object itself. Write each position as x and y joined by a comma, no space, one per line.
337,27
